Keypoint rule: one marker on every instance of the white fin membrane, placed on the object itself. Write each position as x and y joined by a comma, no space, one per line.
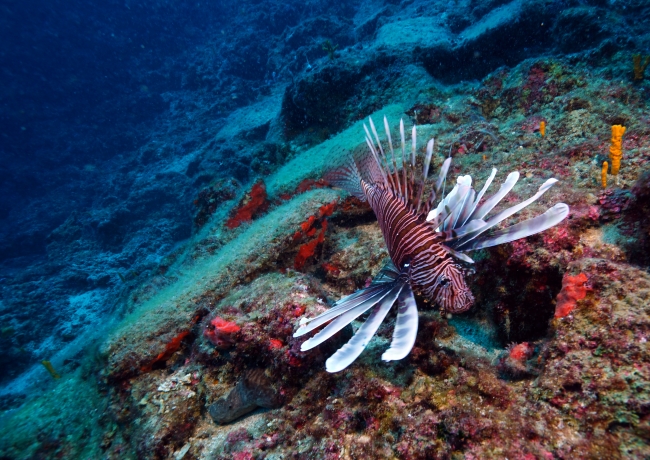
406,327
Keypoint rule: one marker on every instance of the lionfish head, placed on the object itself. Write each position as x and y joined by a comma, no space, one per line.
451,292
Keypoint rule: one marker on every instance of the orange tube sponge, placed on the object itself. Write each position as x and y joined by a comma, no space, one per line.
603,174
616,149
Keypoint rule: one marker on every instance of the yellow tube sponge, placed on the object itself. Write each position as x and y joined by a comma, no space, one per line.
603,174
616,149
639,66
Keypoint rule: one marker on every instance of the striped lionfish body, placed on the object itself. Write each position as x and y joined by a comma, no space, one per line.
426,243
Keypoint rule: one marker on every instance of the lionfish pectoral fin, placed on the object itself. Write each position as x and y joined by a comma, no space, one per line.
484,208
342,314
351,350
370,295
406,327
437,218
478,239
550,218
479,196
388,274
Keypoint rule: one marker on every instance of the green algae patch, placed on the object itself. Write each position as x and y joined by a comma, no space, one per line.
316,161
411,32
496,19
146,333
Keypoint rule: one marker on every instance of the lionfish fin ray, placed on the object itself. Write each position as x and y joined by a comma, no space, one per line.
392,154
480,194
466,194
463,243
550,218
425,173
435,193
482,210
459,255
367,297
439,216
405,166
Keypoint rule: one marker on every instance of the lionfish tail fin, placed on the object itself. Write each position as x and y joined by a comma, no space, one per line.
348,178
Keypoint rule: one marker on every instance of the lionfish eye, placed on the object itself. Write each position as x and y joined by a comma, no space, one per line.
407,262
443,281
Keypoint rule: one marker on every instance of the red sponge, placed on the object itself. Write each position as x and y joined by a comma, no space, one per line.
573,289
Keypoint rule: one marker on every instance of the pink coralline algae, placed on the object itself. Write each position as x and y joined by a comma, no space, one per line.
559,238
612,202
221,332
573,289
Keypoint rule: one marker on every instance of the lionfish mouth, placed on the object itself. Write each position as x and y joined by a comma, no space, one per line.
461,303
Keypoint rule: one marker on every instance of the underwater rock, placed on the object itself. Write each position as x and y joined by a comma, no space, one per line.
253,390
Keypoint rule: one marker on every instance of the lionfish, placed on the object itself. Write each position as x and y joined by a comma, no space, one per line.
426,243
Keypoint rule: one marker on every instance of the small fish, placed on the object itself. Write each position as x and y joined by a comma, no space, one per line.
426,243
48,365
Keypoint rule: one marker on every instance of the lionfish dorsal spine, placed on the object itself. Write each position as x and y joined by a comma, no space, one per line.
425,173
405,166
438,186
395,172
378,154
